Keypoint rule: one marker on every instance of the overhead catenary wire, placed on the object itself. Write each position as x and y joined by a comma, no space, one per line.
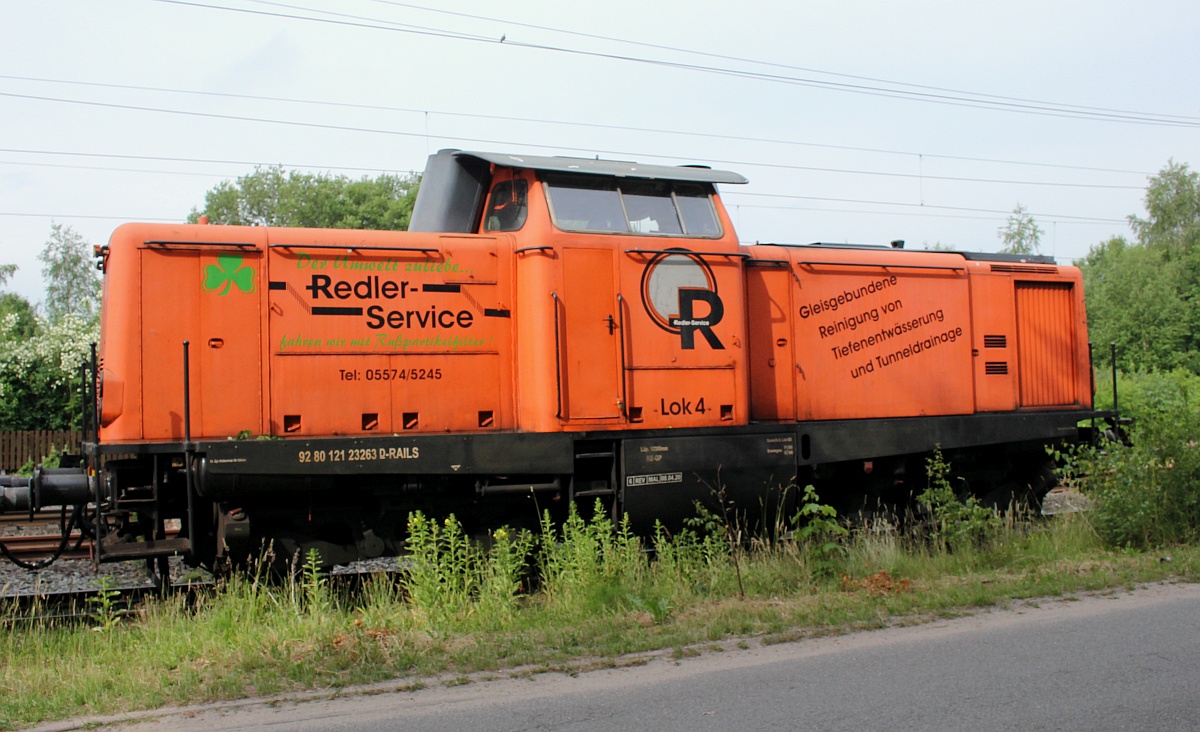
920,212
360,20
1047,216
731,198
744,59
256,164
573,123
734,197
938,97
543,145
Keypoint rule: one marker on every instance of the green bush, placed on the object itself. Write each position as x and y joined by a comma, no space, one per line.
1145,493
957,523
1150,396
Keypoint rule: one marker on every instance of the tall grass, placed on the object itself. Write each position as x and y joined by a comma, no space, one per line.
586,588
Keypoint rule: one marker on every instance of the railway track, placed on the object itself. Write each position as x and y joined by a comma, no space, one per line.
34,548
32,537
44,516
35,539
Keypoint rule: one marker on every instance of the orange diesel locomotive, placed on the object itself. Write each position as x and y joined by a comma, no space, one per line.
563,328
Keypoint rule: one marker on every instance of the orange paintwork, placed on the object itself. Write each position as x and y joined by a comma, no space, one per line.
304,332
888,333
154,300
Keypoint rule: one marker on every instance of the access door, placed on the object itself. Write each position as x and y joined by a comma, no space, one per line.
209,297
590,335
772,366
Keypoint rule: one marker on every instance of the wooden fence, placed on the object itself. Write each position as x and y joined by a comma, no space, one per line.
17,448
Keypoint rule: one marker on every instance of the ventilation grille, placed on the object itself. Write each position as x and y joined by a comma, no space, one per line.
996,368
1046,344
1026,268
995,341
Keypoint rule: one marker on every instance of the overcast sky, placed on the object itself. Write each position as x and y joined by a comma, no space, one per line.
855,121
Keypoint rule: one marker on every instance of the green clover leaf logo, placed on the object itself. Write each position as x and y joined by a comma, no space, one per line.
227,272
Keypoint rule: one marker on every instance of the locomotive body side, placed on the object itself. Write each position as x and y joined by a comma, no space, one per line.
570,330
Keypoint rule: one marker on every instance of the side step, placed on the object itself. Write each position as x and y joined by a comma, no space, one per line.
147,549
595,492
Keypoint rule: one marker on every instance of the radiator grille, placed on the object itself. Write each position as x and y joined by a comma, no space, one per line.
1026,268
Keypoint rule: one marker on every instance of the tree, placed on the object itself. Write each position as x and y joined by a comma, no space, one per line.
39,374
24,322
1145,296
1133,301
72,281
1020,234
1173,211
273,197
40,357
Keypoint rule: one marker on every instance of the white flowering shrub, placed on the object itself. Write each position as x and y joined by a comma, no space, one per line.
39,374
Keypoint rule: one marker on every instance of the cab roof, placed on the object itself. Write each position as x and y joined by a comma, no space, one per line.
611,168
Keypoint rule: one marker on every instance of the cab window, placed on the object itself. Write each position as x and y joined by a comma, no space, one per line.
631,206
507,207
696,209
649,207
583,205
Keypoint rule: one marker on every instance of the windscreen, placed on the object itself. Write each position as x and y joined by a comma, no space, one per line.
647,207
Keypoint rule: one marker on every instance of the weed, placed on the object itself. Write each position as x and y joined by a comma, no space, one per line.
107,614
448,577
314,585
729,524
441,572
957,523
658,608
681,652
501,572
49,460
590,562
819,532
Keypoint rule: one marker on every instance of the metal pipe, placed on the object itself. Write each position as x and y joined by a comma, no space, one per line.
188,448
1113,356
624,386
94,385
187,399
84,401
557,359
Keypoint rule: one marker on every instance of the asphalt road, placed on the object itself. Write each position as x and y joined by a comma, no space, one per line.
1128,661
